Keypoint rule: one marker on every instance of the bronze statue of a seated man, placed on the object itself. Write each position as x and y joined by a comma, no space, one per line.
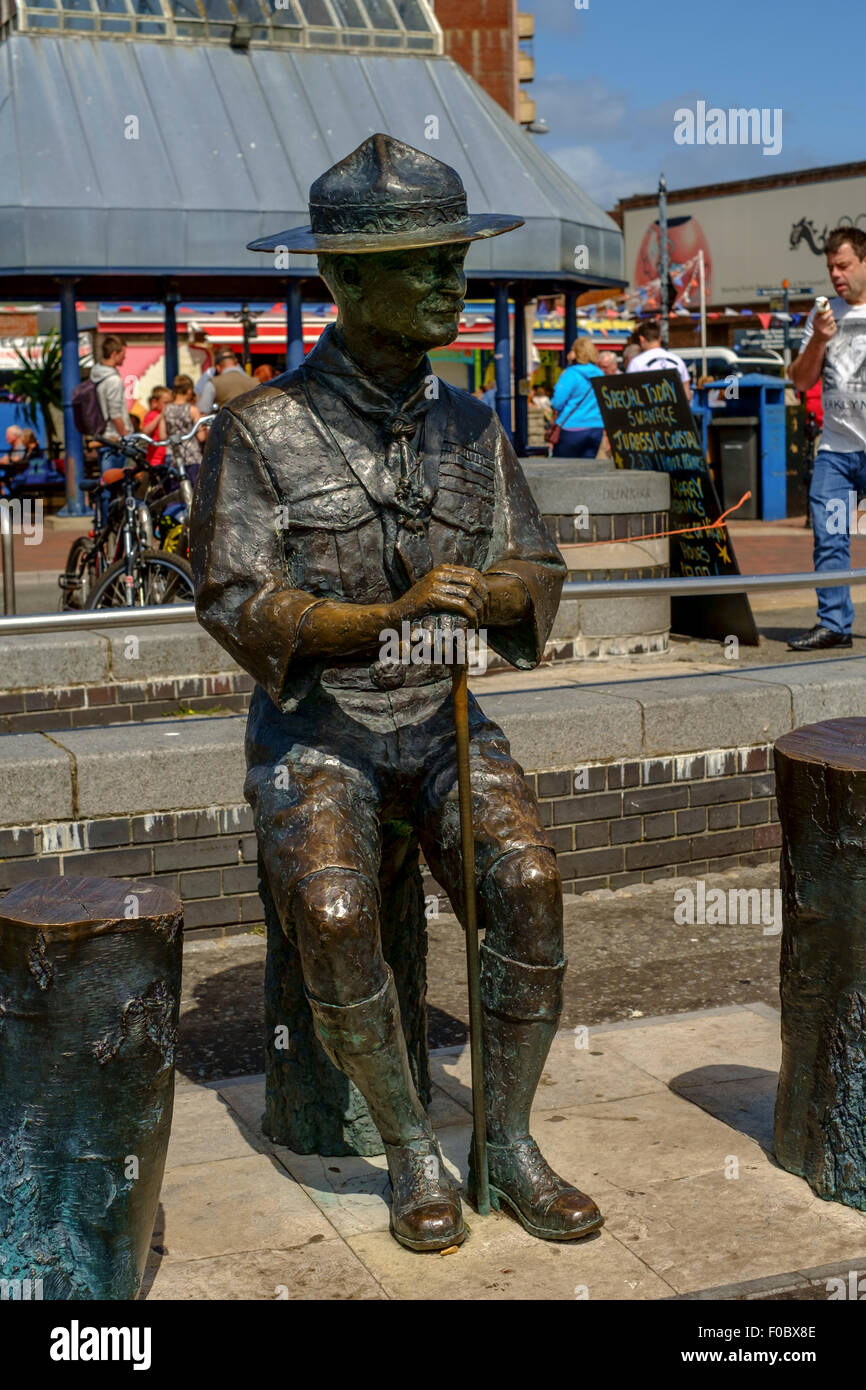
334,503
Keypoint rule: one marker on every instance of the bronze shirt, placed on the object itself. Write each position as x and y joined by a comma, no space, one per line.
289,510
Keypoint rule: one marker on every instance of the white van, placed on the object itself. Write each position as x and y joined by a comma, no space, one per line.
723,361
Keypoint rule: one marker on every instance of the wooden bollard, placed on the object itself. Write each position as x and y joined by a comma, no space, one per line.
820,1122
90,973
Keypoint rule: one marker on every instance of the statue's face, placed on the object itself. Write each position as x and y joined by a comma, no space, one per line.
414,296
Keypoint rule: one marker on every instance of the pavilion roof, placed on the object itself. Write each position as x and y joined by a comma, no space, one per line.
132,159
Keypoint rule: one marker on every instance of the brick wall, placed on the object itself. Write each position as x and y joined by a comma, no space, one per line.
82,706
632,821
481,37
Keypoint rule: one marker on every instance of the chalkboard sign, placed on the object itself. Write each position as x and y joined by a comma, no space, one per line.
650,426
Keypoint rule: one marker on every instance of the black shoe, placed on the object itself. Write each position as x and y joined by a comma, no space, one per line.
819,638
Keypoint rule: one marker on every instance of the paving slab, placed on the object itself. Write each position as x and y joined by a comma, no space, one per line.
637,1142
205,1129
499,1261
710,1229
574,1075
353,1192
318,1269
229,1206
747,1103
721,1045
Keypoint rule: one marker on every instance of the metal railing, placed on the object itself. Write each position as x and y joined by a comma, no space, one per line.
7,558
125,618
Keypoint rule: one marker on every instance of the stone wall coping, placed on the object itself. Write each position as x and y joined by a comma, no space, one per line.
162,765
56,660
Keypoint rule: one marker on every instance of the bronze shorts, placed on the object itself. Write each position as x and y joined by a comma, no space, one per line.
321,783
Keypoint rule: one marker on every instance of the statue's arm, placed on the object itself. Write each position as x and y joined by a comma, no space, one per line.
242,594
523,566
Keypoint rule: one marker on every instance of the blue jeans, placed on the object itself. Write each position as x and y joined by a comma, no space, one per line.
835,476
110,458
578,444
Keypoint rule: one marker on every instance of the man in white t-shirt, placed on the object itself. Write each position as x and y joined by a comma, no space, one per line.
834,349
652,357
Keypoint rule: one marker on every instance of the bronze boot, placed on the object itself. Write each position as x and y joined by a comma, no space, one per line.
366,1042
522,1005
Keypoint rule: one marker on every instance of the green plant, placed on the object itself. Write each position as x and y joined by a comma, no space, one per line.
37,380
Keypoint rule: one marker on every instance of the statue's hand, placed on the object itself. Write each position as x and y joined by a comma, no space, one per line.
448,589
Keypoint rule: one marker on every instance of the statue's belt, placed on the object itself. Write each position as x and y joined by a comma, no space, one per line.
383,675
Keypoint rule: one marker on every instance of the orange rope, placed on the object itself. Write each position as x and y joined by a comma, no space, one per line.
658,535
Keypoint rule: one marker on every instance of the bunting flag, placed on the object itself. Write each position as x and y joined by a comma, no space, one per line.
764,320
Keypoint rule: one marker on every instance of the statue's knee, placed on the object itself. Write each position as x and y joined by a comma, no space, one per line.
336,903
337,924
524,906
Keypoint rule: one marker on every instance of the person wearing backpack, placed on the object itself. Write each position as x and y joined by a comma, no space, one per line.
578,430
111,400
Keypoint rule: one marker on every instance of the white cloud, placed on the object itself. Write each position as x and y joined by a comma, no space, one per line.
582,108
603,181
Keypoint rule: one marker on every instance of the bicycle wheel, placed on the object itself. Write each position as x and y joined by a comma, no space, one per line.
158,578
79,577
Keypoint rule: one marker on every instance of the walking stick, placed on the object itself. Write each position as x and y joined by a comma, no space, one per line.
467,848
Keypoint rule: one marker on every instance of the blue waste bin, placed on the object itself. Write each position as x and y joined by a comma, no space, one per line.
761,397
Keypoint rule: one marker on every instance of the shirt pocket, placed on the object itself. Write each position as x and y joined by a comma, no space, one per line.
332,538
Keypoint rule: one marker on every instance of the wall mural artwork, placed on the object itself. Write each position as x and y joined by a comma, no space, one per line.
805,230
686,237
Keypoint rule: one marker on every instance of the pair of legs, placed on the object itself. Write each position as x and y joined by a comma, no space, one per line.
578,444
319,827
836,476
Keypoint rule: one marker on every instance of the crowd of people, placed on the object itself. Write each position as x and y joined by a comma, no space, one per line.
171,410
575,428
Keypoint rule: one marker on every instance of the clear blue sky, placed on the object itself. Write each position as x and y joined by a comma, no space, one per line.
609,78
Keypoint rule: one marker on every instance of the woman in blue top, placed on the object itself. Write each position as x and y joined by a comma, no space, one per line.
575,407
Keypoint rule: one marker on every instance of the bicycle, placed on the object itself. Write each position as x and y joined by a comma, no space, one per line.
92,555
120,564
170,510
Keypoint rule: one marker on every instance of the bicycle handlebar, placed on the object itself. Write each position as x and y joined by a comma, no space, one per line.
124,444
182,438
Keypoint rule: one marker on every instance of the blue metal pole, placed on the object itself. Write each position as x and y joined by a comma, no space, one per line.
569,329
70,376
521,384
502,356
171,353
294,325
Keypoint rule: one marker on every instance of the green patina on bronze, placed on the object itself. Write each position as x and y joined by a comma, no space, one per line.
89,997
820,1120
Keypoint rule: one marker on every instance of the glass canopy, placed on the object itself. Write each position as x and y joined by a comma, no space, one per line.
339,25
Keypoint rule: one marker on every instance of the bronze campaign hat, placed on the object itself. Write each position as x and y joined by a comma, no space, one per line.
387,196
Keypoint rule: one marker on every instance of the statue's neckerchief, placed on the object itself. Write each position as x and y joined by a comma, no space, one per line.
400,418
